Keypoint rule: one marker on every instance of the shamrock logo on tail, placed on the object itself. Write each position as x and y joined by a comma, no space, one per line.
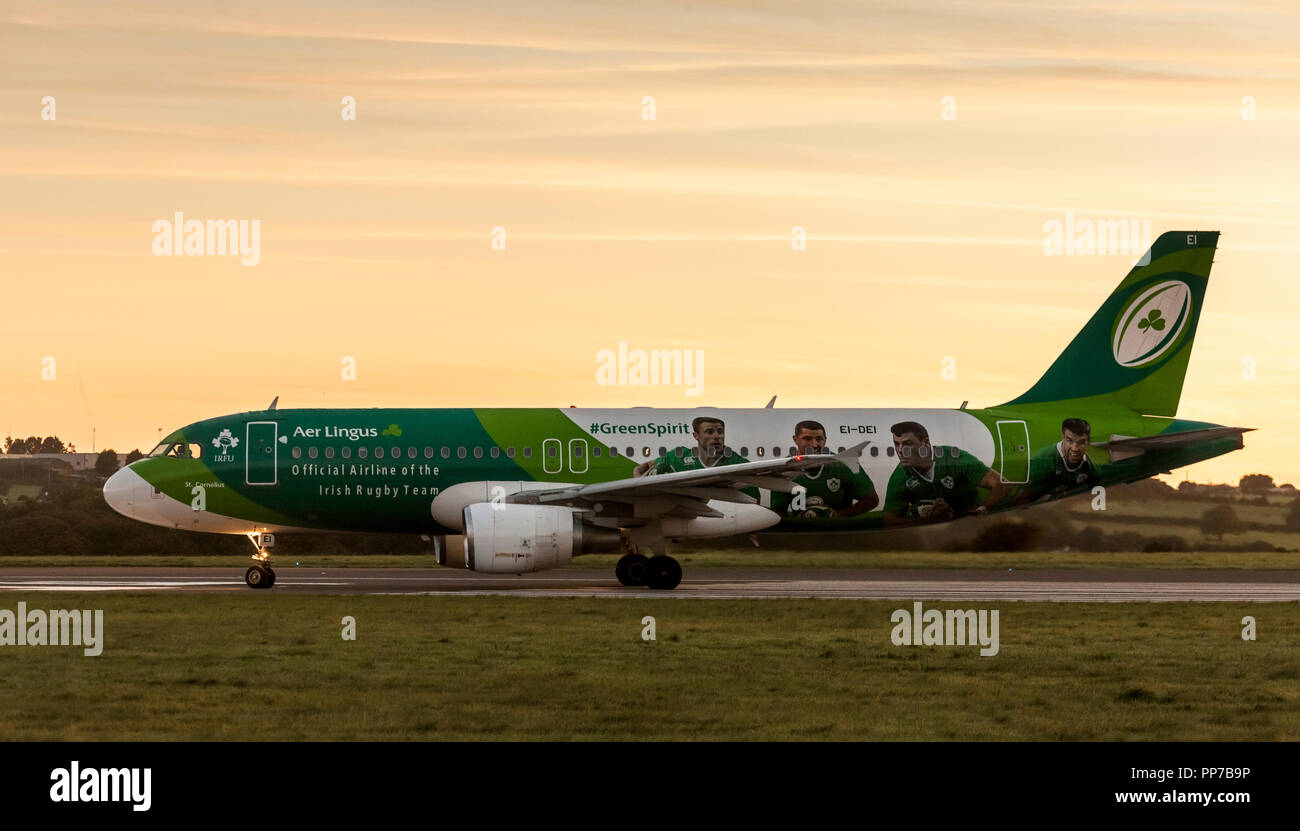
1152,321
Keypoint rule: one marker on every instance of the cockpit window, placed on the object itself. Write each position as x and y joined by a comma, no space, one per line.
177,450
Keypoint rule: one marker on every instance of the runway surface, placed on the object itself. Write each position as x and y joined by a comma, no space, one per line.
1061,585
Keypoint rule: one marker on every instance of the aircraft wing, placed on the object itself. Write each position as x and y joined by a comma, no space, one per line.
688,492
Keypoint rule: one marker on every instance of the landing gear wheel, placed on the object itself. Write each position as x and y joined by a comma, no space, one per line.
663,572
631,569
258,577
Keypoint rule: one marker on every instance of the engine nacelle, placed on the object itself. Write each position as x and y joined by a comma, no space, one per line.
508,538
448,506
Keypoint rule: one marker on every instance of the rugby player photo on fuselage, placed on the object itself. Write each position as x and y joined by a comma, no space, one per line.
832,490
711,451
1063,467
934,484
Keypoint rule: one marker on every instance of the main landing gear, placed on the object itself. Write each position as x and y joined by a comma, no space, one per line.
260,575
657,572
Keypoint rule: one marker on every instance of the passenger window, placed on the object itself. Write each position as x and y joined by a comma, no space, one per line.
576,450
494,451
312,452
875,451
428,452
551,450
744,451
445,453
613,451
329,453
346,452
362,452
776,451
663,451
889,451
297,452
412,452
631,451
379,452
460,453
645,451
760,452
510,452
528,452
596,451
794,451
478,452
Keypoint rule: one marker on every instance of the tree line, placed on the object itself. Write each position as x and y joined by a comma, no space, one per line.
38,444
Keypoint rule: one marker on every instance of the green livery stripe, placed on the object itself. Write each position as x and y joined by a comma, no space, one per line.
176,478
534,427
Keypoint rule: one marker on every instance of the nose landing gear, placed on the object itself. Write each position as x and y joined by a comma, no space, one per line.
260,575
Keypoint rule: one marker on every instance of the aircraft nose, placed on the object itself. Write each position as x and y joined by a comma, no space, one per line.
122,491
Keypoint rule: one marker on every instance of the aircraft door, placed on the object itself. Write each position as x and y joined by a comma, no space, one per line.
261,453
1013,452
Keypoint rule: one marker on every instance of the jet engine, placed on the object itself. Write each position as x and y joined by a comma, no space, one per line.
509,538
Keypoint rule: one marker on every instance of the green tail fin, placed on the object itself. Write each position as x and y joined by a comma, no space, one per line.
1134,351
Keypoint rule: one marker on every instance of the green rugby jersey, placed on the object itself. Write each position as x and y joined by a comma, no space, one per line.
953,477
1049,475
833,485
683,459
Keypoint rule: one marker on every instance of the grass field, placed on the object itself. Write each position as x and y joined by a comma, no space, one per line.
262,666
1190,533
1179,512
740,558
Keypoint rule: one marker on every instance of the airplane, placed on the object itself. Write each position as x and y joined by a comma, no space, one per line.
510,491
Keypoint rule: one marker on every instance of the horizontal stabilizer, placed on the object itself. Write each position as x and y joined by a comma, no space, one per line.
1125,447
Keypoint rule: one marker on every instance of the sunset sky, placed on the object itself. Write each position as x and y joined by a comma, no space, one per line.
925,234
